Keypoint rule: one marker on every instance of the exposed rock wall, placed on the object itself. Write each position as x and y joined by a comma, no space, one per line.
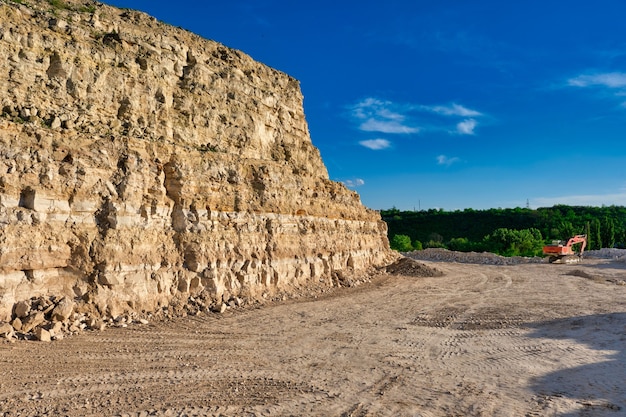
139,161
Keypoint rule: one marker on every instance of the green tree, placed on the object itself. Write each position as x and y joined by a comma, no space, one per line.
507,242
401,243
567,230
436,227
460,244
608,235
530,242
596,236
434,244
435,237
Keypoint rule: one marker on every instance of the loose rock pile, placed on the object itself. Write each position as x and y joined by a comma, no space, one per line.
410,267
486,258
50,318
608,253
483,258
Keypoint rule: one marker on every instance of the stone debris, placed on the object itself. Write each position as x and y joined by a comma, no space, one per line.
50,318
32,321
21,309
483,258
220,308
6,330
63,310
54,319
17,324
486,258
96,324
42,335
56,328
607,253
410,267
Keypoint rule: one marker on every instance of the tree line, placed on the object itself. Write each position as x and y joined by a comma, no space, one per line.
509,232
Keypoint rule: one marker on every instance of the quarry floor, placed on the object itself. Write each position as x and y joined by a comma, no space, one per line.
482,340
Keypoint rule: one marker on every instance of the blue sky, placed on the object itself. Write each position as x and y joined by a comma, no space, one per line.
447,104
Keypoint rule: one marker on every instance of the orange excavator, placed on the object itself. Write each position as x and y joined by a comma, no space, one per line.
561,252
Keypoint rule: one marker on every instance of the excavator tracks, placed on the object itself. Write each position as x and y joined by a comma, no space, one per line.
569,259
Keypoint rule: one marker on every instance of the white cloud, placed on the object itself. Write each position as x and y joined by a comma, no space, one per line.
386,126
596,200
377,115
453,110
383,116
609,83
466,127
375,144
447,161
357,182
373,107
608,79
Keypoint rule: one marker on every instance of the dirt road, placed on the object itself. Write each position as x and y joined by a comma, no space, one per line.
522,340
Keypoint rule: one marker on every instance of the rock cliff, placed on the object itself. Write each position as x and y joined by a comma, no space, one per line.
139,162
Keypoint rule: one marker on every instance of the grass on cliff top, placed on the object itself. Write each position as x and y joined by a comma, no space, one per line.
60,4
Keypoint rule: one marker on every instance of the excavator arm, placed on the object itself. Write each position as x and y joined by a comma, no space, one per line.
578,239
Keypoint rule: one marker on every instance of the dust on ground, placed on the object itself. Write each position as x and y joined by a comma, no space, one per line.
528,339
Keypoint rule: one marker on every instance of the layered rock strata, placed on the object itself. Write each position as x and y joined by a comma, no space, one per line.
139,161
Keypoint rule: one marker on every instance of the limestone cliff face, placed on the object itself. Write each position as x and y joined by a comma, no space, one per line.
138,161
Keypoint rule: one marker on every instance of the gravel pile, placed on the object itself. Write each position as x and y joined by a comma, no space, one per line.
483,258
607,253
410,267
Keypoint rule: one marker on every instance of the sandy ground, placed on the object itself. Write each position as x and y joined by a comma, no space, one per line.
521,340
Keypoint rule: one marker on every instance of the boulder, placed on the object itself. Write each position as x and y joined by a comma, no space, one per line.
42,335
21,309
63,310
17,324
32,321
6,330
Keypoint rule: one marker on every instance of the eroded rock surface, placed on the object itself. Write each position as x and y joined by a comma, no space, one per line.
140,162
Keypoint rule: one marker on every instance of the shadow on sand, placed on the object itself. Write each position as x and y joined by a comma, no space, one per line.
603,264
597,387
